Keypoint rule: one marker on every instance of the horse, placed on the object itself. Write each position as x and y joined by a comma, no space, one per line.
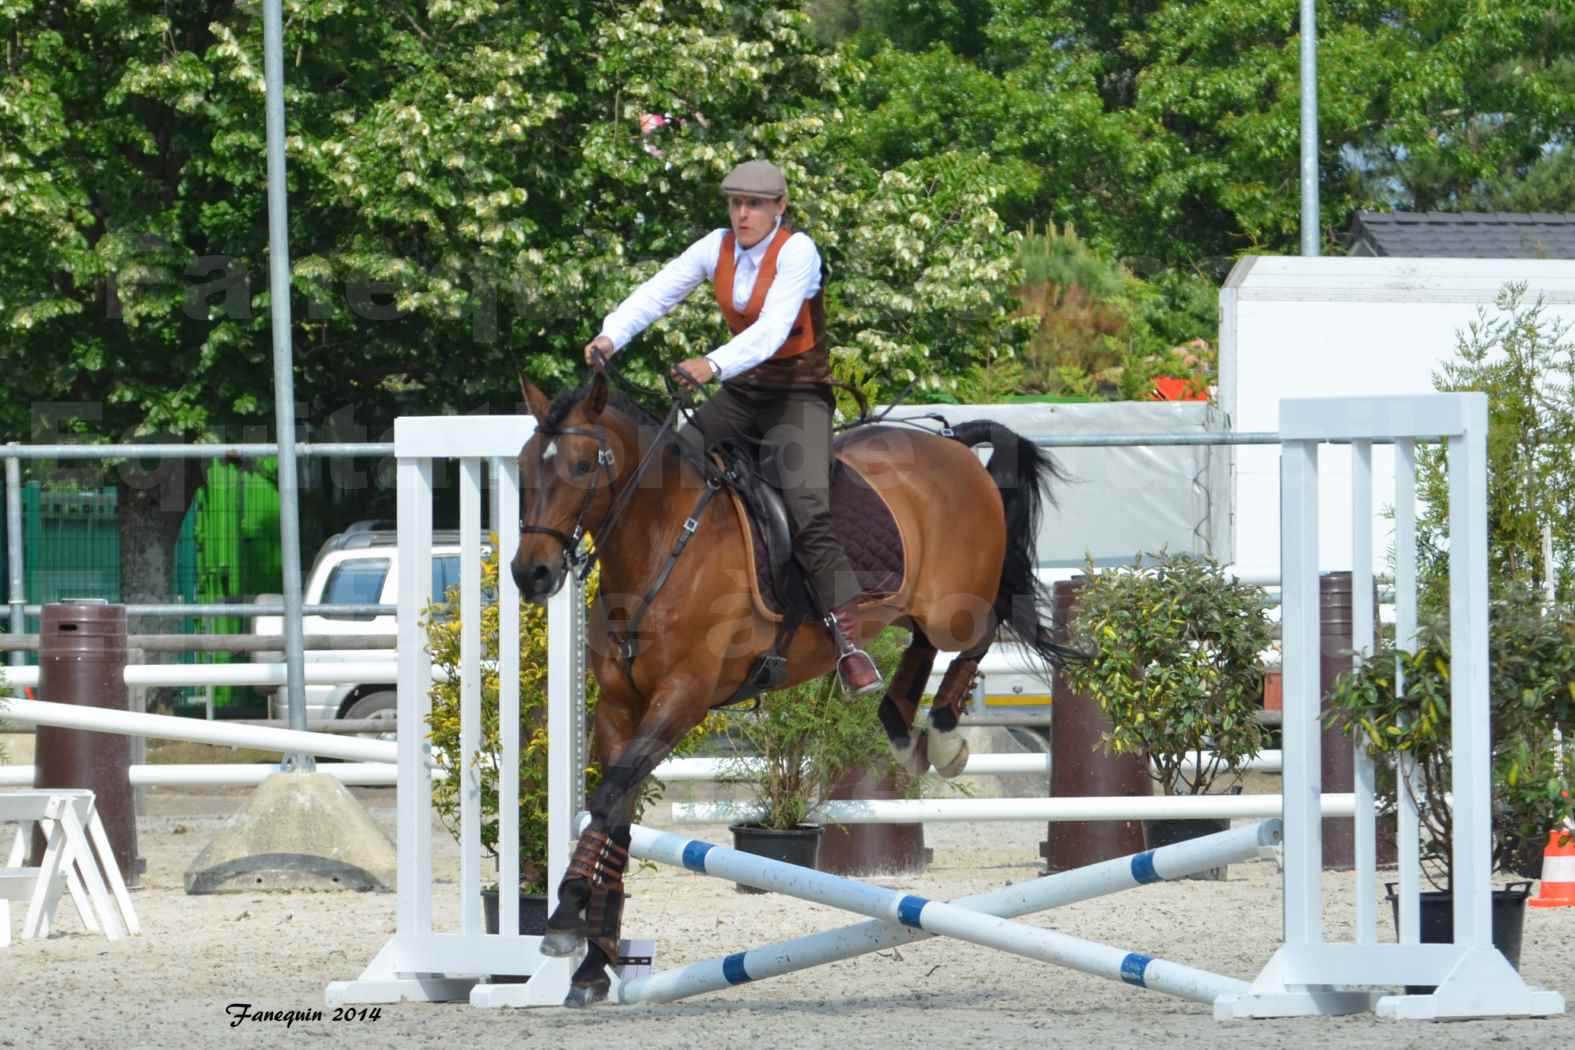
667,646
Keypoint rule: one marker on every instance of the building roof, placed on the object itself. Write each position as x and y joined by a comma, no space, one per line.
1464,235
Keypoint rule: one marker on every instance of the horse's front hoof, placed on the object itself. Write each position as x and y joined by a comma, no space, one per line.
560,944
582,995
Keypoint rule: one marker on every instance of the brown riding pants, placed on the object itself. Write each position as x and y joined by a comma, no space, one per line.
790,432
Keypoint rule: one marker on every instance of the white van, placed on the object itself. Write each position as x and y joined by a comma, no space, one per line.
359,566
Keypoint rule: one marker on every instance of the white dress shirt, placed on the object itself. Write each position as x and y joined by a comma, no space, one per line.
798,279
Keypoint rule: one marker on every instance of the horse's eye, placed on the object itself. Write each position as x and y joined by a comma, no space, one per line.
582,468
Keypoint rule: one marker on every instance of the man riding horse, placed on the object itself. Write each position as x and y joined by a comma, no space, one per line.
673,637
776,394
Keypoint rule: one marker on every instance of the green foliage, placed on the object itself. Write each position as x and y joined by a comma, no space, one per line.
921,286
1532,694
1175,647
913,25
807,737
469,185
1102,332
1525,363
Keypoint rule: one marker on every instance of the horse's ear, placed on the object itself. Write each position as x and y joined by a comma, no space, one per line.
535,400
596,400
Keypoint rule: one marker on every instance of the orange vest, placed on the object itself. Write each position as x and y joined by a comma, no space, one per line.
809,327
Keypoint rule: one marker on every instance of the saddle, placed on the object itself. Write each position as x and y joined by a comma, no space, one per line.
860,517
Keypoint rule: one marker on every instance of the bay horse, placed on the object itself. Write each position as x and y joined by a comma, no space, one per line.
597,463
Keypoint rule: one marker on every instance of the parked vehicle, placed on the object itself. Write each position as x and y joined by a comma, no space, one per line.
359,566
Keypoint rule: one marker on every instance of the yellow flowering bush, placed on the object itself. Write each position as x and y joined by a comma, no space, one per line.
443,627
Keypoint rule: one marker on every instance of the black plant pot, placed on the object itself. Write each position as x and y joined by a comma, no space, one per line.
798,845
533,921
1157,833
533,913
1438,921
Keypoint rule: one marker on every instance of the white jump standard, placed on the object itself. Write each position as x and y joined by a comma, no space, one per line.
1309,975
1052,891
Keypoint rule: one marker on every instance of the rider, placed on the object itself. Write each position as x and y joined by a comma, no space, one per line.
775,374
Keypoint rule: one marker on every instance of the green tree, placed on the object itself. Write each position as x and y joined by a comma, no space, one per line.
1524,362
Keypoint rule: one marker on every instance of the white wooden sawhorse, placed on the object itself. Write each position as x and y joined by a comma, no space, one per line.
76,849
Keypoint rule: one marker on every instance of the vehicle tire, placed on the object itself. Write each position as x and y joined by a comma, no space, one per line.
383,704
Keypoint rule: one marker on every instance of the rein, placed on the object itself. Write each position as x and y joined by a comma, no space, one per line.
580,560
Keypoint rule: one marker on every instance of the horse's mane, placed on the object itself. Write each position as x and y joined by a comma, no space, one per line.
644,421
564,403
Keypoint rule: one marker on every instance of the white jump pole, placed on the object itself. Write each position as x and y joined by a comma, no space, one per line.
676,770
1052,891
1094,807
169,727
217,774
935,917
326,672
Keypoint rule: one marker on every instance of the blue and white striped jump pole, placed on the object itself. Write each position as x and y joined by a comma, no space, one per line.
980,919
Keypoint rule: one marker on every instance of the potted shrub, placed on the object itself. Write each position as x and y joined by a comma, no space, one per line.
1175,649
1531,651
794,748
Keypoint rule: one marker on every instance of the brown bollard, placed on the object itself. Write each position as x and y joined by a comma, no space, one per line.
1338,763
1080,767
82,661
871,849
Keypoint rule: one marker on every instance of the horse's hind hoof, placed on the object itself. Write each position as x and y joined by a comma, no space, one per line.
582,995
560,944
953,765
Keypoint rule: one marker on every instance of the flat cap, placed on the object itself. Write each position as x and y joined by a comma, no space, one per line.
758,178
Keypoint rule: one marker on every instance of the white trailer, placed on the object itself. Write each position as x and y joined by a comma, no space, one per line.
1341,327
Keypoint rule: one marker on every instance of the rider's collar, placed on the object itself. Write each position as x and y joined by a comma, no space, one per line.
758,251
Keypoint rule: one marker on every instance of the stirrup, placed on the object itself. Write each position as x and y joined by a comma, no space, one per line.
847,687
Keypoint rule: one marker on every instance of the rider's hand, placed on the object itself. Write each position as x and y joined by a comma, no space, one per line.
695,371
600,345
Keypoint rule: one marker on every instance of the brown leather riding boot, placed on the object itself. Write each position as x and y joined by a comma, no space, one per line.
855,668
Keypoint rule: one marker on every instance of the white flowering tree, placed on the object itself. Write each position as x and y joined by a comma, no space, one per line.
470,191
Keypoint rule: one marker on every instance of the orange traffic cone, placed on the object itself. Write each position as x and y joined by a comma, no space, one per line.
1558,872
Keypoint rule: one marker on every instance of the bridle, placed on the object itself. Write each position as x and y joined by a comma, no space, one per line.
577,557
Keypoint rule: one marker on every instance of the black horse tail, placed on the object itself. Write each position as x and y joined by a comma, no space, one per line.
1024,473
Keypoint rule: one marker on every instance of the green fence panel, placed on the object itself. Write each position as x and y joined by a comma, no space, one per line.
233,526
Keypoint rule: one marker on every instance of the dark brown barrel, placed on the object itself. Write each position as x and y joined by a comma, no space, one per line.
1080,767
871,849
1338,764
82,661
